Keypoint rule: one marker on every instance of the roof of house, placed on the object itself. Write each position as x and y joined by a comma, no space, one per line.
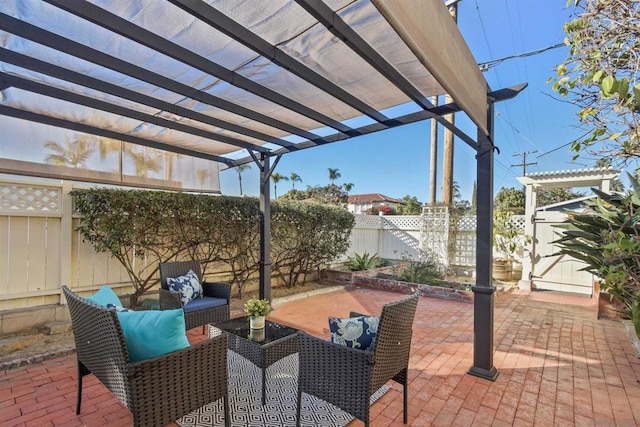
371,198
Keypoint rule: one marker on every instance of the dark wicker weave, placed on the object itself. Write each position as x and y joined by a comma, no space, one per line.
156,391
171,300
279,343
347,377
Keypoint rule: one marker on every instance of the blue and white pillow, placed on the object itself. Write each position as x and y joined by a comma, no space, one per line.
118,308
188,286
355,332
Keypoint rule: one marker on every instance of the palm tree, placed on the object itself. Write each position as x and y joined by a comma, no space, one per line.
202,174
142,162
73,153
276,178
333,175
240,169
294,177
348,186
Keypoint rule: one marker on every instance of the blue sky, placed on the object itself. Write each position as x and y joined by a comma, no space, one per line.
396,162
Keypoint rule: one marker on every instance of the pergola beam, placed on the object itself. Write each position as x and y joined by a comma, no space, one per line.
67,124
124,112
344,32
70,47
145,37
52,70
226,25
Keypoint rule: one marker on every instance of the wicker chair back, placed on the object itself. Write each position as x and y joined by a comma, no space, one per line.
178,268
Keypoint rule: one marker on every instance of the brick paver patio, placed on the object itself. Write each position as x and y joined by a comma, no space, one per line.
558,365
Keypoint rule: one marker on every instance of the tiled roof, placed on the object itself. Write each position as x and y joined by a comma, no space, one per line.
371,198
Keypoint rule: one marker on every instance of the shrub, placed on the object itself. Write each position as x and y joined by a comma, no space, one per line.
305,236
423,270
362,262
143,228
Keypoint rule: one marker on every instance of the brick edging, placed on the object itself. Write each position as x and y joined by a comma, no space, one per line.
24,361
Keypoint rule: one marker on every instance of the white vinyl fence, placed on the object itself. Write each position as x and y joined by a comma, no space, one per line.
400,236
40,249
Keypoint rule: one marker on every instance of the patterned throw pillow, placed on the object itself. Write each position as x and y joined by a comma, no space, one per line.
355,332
188,286
118,309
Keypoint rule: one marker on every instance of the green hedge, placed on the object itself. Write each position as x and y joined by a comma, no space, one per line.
142,228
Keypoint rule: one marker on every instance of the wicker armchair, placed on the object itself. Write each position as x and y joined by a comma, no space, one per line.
157,391
347,377
171,300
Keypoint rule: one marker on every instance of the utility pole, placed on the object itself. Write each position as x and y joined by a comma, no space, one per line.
447,166
433,163
524,163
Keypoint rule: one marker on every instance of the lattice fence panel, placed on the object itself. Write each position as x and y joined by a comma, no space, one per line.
518,221
468,223
26,199
367,221
465,252
435,232
402,222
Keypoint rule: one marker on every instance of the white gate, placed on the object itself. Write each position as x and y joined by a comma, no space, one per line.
556,272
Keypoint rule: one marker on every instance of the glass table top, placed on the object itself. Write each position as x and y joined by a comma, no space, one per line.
271,332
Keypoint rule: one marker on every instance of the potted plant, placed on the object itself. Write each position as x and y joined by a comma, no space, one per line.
257,309
507,240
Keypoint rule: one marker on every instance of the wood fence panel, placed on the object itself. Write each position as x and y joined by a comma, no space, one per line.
18,262
53,255
36,254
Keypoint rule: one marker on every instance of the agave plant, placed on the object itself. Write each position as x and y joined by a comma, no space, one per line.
362,262
606,236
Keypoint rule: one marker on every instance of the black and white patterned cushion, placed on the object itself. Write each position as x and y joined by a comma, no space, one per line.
188,286
355,332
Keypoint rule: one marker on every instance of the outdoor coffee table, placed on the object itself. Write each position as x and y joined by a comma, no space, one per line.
262,347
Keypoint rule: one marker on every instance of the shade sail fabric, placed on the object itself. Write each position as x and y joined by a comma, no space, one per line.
215,78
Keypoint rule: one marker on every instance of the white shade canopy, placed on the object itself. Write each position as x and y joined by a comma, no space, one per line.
213,79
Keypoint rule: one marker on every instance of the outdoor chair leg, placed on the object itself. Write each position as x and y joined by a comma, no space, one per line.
406,395
203,331
82,371
298,407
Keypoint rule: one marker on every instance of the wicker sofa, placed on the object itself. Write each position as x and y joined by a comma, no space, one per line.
193,317
157,391
347,377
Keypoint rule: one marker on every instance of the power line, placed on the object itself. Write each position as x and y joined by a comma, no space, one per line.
484,66
516,130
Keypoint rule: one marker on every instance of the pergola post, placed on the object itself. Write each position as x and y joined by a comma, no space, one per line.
265,228
484,290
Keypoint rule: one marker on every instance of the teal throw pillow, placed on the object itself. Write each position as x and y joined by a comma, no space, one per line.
152,333
104,297
355,332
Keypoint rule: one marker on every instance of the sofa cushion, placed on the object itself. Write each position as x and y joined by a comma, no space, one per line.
188,286
355,332
104,297
203,303
152,333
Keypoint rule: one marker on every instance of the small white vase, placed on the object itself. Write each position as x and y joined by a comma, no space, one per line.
257,322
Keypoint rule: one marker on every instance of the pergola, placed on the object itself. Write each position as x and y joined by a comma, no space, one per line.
249,81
